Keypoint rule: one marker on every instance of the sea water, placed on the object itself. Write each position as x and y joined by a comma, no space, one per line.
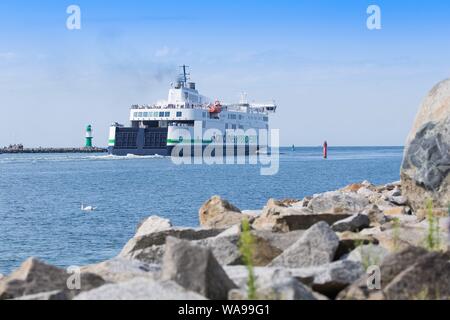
41,195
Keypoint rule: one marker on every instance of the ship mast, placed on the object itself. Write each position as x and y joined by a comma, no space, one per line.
184,76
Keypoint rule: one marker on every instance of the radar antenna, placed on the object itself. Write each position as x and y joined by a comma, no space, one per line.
184,76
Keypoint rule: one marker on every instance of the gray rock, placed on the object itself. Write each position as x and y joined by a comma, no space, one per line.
427,279
281,241
338,202
119,269
159,238
276,284
395,263
153,224
267,246
408,232
218,213
279,218
392,266
35,277
230,232
150,247
239,274
224,249
412,274
331,278
32,277
327,279
317,246
151,255
426,164
368,255
140,289
195,269
354,223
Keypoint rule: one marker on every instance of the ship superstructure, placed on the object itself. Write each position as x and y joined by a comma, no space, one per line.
187,117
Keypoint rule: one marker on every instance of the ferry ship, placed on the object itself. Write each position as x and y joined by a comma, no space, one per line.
187,117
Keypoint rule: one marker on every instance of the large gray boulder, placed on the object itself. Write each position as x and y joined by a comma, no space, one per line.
427,279
426,163
195,268
326,279
316,247
226,249
120,269
411,274
239,274
331,278
149,248
34,277
153,224
392,266
140,289
338,202
368,255
275,284
281,241
410,232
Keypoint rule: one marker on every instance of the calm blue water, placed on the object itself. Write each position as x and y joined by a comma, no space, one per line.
41,195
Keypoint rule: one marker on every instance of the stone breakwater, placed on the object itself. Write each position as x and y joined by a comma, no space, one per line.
317,248
53,150
363,241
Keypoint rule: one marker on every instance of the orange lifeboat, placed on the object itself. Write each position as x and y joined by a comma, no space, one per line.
215,108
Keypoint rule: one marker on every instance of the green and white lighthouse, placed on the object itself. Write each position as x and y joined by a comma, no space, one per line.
89,136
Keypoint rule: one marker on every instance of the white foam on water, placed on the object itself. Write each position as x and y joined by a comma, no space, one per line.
127,157
38,158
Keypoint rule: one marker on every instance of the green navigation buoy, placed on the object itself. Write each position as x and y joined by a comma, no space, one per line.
89,136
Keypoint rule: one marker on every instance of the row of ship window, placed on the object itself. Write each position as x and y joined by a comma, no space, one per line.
163,114
232,116
179,114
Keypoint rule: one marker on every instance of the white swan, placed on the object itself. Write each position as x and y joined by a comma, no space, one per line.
87,208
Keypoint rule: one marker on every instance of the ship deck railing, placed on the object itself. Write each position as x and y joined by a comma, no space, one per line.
236,108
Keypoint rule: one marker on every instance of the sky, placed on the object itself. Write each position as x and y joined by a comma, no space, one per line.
332,78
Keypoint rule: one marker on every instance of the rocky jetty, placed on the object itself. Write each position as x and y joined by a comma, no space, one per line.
323,250
21,149
361,242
